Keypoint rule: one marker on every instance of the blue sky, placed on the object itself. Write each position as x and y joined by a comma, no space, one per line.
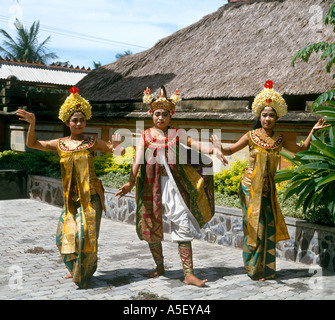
86,31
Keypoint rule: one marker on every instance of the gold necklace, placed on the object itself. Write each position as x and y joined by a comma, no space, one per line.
72,144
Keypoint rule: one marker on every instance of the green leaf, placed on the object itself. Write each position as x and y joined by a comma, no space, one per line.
310,188
324,97
325,113
332,136
328,179
332,103
326,150
314,166
284,175
291,189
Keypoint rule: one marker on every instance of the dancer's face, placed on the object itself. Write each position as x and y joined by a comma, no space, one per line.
77,123
161,119
268,118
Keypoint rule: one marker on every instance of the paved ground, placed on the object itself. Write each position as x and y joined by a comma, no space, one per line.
30,266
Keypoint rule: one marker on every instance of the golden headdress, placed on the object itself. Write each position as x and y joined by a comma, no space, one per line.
269,98
74,103
162,102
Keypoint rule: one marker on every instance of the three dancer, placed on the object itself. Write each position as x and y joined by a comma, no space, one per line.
168,184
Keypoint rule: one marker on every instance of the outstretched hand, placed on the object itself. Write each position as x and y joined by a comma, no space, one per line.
26,116
126,188
321,124
116,140
217,149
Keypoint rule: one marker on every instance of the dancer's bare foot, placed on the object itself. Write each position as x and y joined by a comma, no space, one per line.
68,276
191,279
156,273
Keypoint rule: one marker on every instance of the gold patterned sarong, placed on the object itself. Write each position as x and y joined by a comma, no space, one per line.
79,224
261,210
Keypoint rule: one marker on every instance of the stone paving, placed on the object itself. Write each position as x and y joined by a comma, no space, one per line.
31,268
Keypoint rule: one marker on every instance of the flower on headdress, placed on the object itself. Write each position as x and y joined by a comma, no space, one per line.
268,84
176,96
74,90
269,98
73,103
147,97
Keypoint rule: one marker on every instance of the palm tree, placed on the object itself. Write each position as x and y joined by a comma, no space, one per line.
97,64
121,55
26,46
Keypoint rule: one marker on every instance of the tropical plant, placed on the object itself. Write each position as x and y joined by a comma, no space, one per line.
313,178
125,53
96,65
26,46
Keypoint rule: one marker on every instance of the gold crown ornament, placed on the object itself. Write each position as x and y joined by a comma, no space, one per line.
162,102
269,98
74,103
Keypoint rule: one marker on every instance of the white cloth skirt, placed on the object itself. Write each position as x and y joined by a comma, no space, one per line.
183,223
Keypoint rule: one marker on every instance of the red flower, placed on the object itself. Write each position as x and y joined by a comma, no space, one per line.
268,84
74,90
268,101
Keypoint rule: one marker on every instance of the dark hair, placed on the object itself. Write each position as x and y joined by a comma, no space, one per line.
257,122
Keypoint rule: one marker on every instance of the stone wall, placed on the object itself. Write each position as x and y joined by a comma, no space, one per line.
46,189
309,244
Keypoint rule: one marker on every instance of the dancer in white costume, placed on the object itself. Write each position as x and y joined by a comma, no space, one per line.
168,186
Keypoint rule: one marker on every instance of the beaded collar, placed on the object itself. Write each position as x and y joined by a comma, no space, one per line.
68,145
160,143
264,141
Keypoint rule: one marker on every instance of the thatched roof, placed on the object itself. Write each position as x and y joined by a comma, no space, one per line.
227,54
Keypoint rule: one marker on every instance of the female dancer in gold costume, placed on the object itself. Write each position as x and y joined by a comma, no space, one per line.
263,222
79,223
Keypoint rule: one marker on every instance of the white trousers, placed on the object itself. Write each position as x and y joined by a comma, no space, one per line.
175,211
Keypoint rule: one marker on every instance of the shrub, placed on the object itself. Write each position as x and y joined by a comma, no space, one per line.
228,180
115,179
107,163
33,162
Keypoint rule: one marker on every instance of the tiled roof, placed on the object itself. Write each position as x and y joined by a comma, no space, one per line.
41,73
